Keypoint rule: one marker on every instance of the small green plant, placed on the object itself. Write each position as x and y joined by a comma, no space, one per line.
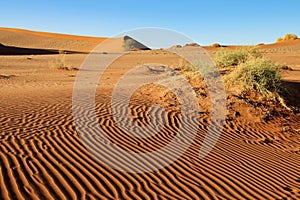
257,74
226,58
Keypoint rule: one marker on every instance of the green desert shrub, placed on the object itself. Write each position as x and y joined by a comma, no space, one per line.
279,39
198,70
257,74
226,58
288,36
216,45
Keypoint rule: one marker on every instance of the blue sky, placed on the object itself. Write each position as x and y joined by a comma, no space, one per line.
206,22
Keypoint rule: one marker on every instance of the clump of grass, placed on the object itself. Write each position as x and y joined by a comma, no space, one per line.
226,58
216,45
61,64
192,45
198,71
279,39
185,66
257,74
288,36
191,71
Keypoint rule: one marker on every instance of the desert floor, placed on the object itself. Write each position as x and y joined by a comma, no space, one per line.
43,157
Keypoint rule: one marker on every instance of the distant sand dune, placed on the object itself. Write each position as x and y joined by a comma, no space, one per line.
42,40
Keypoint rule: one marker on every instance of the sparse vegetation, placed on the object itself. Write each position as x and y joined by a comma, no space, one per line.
192,45
60,63
190,70
216,45
226,58
252,74
245,72
290,37
287,37
185,65
257,74
197,71
206,69
279,39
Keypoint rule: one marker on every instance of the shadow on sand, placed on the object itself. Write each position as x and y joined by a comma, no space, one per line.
11,50
293,96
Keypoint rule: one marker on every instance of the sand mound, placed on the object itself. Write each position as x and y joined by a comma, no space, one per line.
285,53
41,40
290,45
121,44
45,41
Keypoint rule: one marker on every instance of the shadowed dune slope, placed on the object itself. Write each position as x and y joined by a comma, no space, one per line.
7,50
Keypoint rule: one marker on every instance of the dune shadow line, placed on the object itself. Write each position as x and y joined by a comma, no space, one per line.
11,50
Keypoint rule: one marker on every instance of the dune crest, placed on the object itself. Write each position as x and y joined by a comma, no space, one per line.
52,41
